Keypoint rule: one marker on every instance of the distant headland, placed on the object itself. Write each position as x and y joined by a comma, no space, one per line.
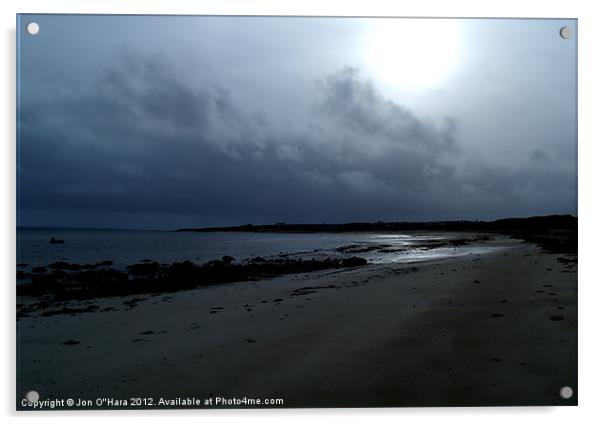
553,232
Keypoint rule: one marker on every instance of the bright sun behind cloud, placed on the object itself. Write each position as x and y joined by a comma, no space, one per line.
412,53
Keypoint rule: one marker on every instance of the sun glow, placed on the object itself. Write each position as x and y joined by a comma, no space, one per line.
412,53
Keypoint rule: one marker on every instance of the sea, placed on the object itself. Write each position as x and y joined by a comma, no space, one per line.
125,247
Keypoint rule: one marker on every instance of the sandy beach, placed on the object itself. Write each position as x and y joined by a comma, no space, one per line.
498,328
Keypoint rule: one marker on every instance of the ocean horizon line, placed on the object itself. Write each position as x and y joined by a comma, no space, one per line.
279,226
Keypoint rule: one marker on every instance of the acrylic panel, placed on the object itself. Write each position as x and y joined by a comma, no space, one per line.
283,212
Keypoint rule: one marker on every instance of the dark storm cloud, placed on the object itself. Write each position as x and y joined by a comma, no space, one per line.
361,108
146,145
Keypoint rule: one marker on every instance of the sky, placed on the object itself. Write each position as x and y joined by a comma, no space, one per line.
169,122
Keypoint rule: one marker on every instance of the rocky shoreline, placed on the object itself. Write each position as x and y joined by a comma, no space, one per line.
61,281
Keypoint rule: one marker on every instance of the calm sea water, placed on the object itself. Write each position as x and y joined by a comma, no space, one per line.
126,247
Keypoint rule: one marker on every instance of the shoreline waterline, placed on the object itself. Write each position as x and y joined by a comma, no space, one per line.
124,247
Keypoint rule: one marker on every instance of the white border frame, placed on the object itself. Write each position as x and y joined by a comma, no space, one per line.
590,96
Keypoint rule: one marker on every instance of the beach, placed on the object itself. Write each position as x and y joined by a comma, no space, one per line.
496,328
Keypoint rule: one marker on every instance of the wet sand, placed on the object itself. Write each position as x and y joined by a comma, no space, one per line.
491,329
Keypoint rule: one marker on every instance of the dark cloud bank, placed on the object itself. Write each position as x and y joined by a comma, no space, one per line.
143,147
